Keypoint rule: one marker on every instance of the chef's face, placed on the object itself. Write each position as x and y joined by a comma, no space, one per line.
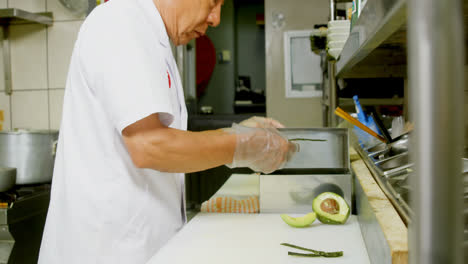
193,17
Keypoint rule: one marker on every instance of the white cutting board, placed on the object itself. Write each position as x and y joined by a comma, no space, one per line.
255,239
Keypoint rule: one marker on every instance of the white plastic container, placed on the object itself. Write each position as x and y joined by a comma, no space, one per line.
337,37
339,23
336,44
338,30
335,53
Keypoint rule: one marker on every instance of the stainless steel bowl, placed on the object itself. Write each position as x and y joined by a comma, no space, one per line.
399,146
377,148
383,151
393,162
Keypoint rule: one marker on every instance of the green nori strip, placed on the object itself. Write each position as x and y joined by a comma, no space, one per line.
317,253
307,139
323,254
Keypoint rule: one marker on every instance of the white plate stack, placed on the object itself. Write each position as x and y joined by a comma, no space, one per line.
338,33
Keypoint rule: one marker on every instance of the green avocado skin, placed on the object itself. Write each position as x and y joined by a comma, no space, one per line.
322,216
299,222
328,221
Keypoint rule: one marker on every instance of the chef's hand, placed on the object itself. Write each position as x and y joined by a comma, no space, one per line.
263,149
257,121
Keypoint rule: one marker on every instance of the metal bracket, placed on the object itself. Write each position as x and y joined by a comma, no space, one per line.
5,45
10,16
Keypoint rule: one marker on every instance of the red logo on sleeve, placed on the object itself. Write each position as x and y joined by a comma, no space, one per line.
169,78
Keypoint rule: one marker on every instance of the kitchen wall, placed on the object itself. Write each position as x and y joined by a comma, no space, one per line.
299,15
40,56
239,34
466,106
250,42
220,91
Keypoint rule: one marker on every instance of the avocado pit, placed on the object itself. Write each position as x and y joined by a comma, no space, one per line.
330,206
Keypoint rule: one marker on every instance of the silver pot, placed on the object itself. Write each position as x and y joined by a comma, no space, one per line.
31,152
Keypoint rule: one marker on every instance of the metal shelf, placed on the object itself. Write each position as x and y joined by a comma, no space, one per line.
14,15
378,36
435,46
376,46
371,101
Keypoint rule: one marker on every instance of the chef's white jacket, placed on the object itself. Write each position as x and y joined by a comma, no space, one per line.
103,209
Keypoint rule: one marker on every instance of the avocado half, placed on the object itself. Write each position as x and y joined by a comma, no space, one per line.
302,221
331,208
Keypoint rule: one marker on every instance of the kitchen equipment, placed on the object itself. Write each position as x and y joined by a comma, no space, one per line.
206,110
31,152
393,162
337,37
320,166
339,23
338,30
336,44
380,124
330,154
398,126
400,144
7,178
335,52
377,148
341,113
397,147
386,173
22,223
292,193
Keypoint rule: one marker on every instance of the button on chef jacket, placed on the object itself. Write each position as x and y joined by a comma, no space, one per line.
103,209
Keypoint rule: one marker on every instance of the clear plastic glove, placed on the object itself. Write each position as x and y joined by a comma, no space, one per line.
263,149
258,121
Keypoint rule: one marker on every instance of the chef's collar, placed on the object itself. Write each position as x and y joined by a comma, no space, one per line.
154,17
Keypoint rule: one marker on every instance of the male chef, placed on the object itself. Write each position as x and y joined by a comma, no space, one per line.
118,185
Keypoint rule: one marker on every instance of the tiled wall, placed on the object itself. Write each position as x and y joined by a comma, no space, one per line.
40,57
